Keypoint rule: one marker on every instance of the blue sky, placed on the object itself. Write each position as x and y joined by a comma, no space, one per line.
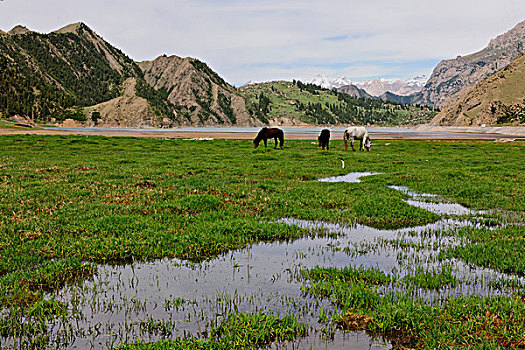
263,40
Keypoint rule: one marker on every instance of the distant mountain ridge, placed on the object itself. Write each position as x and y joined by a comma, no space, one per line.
379,86
354,91
329,83
372,88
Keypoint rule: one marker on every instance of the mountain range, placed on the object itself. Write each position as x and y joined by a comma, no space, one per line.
73,73
379,86
373,88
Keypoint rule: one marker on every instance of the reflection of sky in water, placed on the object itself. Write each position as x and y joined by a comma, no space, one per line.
432,205
351,177
260,278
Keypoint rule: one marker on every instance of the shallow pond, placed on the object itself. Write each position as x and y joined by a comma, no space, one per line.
351,177
169,298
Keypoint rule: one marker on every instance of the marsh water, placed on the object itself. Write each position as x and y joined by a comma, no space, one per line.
170,298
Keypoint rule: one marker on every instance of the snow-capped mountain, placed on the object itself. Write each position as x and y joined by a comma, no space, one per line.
250,82
329,83
379,86
419,81
375,87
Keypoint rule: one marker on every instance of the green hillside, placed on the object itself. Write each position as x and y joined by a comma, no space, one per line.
44,75
312,104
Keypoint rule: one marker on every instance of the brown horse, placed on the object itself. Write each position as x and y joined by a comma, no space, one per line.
268,133
324,139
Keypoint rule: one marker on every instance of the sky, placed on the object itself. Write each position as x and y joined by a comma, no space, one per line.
264,40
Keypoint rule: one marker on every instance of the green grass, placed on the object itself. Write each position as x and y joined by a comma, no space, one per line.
237,331
457,322
502,250
69,202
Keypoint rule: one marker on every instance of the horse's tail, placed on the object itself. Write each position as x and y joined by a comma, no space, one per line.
281,138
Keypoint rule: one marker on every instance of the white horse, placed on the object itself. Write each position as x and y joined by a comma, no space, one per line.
357,133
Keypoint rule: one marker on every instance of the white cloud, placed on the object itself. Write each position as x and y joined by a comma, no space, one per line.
261,40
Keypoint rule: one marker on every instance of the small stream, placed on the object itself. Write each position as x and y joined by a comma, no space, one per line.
121,302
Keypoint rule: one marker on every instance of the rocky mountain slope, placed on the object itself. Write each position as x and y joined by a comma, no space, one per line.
497,99
126,111
199,95
450,76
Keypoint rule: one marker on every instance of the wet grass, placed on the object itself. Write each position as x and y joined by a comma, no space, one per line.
455,322
502,249
237,331
69,202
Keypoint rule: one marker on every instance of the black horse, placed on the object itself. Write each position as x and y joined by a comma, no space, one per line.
268,133
324,139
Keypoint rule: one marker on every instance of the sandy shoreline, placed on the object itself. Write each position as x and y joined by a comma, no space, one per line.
417,132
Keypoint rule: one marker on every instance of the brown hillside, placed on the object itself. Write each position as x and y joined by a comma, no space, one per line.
497,99
200,96
127,111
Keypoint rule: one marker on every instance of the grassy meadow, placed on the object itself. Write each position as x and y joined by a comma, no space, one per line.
69,203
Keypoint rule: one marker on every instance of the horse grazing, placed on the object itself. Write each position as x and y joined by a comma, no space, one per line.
324,139
268,133
357,133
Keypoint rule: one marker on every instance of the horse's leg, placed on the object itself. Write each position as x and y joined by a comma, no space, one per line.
327,145
275,139
352,143
265,142
361,145
346,144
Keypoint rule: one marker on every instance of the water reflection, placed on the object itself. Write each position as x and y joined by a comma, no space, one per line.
350,177
170,298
